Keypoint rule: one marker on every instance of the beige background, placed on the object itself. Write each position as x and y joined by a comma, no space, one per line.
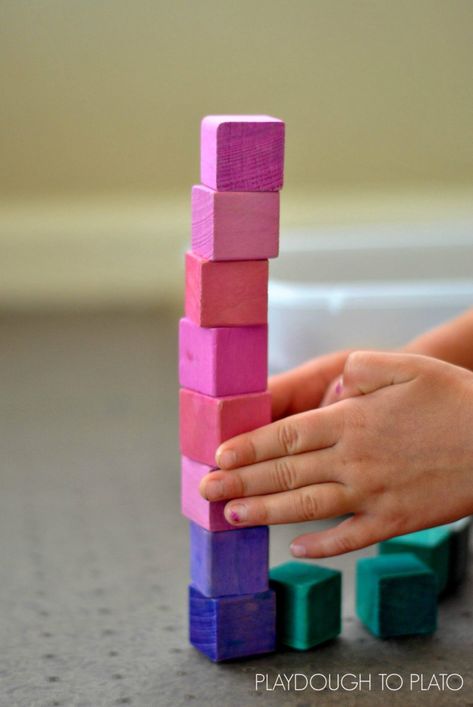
101,103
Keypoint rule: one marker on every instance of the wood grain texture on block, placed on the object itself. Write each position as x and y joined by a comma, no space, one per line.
207,514
242,152
234,626
206,422
432,546
309,603
235,225
396,595
226,293
223,360
229,562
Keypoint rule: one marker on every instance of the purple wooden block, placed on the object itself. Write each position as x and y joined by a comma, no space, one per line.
242,152
232,627
229,561
223,360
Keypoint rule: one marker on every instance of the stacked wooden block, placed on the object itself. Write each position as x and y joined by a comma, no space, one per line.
223,372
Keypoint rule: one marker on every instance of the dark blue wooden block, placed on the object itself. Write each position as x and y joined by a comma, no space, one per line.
233,626
229,561
396,595
459,547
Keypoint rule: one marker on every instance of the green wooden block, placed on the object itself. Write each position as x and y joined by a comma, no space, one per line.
308,603
432,546
396,595
459,548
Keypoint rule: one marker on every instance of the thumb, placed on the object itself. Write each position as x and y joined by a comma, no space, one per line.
367,371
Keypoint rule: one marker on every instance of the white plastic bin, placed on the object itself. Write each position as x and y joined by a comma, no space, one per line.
370,287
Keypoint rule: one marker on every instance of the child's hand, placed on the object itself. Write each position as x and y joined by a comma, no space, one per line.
307,386
396,451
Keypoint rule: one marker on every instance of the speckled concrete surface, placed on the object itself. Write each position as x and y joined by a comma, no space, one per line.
93,567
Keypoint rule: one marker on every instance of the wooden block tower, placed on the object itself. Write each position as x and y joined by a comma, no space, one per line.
223,344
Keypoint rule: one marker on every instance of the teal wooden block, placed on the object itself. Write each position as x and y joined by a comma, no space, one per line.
396,595
459,549
432,546
308,603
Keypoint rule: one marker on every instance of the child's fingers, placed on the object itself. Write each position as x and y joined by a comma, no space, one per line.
352,534
367,371
272,476
303,387
333,392
310,503
308,431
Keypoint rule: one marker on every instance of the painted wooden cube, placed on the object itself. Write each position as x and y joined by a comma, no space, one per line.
222,361
458,553
232,627
432,546
207,514
234,225
227,293
308,599
229,562
242,152
396,595
206,422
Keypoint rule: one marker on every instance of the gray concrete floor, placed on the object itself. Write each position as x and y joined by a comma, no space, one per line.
93,569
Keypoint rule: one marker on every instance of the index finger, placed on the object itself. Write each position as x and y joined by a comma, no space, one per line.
304,432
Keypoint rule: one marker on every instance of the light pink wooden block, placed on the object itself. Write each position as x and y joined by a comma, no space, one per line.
223,360
242,152
206,422
193,506
227,293
235,225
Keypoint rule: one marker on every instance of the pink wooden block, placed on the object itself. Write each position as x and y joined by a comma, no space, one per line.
242,152
235,225
206,422
223,360
226,294
193,506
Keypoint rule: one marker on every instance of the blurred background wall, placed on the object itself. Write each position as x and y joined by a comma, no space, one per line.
100,111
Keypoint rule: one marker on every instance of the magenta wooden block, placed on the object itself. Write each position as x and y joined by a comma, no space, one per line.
223,360
235,225
229,562
227,293
193,506
242,152
206,422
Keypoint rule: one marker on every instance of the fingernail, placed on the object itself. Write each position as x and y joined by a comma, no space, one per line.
339,387
298,550
214,489
236,513
226,458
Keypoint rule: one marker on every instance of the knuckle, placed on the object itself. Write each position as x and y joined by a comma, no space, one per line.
343,543
309,507
239,483
285,475
288,437
260,514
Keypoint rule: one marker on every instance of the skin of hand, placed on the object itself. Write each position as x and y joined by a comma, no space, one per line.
395,451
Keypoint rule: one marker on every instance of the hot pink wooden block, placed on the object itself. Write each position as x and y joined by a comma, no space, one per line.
193,506
206,422
242,152
223,360
235,225
226,294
